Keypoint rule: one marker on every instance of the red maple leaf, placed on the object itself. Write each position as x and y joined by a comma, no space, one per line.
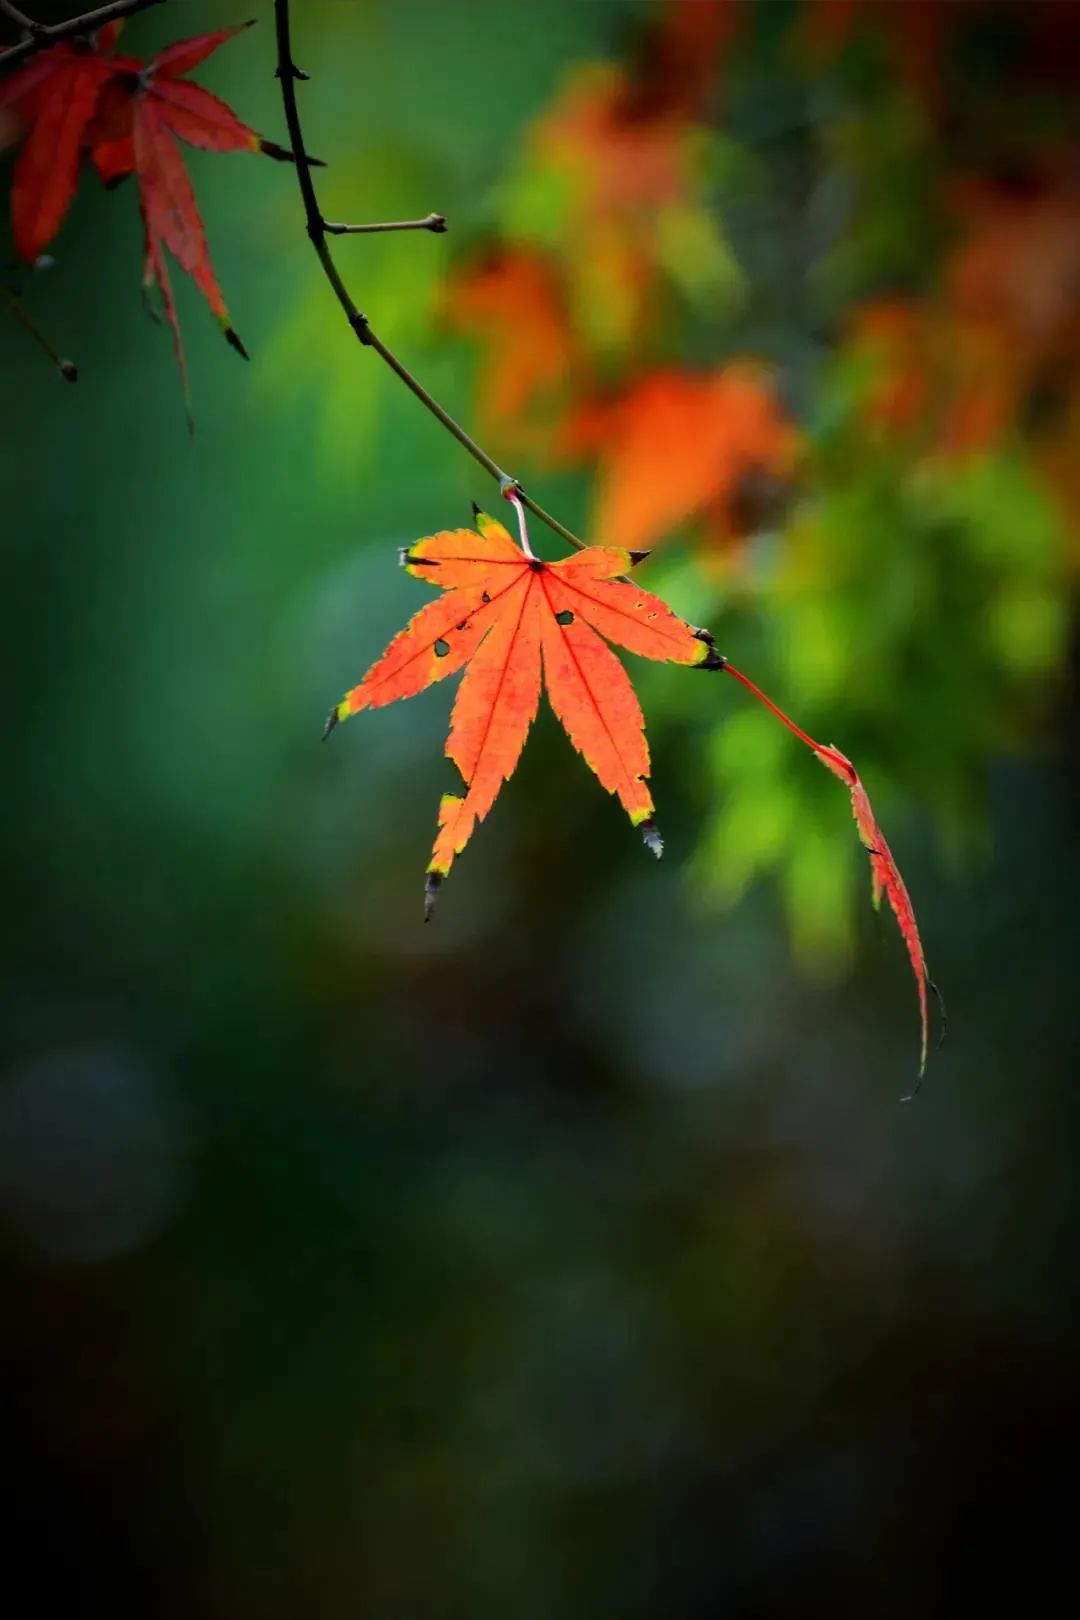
53,97
141,112
184,109
504,617
130,116
884,872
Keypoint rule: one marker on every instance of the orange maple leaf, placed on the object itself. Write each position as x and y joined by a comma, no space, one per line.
514,622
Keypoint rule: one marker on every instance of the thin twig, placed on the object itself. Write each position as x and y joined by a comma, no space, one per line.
19,18
433,222
39,37
317,228
67,368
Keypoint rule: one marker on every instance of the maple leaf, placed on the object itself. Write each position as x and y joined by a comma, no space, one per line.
186,110
884,872
54,98
129,115
141,112
514,623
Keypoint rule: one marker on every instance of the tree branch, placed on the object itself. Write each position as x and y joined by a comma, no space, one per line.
317,229
39,37
19,18
432,222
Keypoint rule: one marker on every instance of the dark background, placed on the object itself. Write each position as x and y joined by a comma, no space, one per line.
572,1256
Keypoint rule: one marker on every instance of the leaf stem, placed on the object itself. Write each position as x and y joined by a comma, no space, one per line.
40,36
837,760
318,229
523,529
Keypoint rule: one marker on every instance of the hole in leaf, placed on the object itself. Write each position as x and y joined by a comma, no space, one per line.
441,648
485,597
565,617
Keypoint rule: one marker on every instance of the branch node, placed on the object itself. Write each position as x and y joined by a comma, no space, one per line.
359,323
38,36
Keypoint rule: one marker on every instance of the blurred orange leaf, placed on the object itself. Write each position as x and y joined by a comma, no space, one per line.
676,447
512,302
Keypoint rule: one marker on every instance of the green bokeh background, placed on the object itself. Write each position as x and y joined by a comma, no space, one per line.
570,1257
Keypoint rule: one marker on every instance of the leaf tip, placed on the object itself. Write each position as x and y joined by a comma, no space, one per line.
638,557
234,341
408,560
432,885
910,1096
280,154
333,720
711,658
650,833
940,999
